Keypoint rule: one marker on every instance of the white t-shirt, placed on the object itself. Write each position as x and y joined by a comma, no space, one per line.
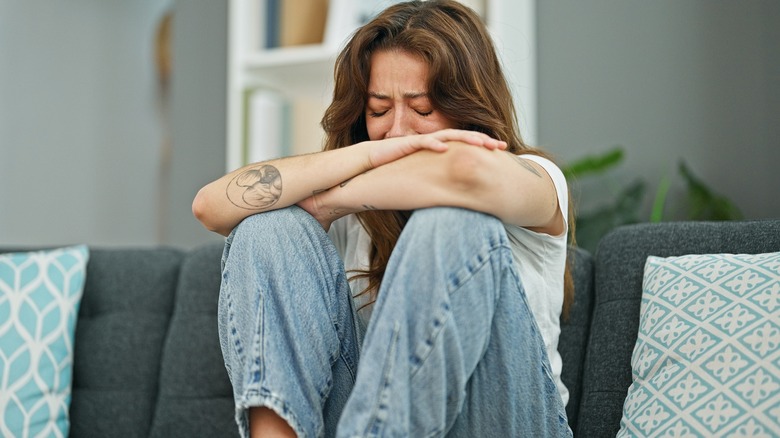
540,260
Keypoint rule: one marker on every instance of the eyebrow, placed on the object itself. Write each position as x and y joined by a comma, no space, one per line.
407,95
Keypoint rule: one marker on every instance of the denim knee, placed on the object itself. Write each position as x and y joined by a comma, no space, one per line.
282,275
258,228
449,222
272,221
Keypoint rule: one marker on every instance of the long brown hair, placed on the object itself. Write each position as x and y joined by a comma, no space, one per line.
465,84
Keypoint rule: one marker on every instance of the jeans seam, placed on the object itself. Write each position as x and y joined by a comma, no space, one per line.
446,308
340,354
377,423
482,263
439,322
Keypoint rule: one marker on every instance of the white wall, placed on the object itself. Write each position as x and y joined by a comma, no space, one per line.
79,129
697,80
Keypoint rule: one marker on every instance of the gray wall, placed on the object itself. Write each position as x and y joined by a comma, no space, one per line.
80,130
199,111
81,121
697,80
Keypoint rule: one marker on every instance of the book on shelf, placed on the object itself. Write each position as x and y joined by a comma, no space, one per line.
272,23
294,22
289,23
267,125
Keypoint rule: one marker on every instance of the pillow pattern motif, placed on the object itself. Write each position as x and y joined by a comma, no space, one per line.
707,358
40,294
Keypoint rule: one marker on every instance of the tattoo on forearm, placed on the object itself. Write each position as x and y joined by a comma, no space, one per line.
527,166
260,188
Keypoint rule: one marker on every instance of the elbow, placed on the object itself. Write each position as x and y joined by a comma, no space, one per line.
467,168
199,207
203,212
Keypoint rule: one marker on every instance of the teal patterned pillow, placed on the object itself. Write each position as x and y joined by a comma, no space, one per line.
40,294
707,359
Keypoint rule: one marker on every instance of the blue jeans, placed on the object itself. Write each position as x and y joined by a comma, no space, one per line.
451,349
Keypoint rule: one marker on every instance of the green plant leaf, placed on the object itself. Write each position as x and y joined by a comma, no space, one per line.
660,199
592,226
628,203
705,204
591,164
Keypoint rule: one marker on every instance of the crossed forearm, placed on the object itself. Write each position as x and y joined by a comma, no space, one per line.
274,184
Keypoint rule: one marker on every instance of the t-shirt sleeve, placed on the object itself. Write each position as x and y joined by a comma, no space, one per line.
561,188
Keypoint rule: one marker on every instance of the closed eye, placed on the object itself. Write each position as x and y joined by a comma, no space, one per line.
377,113
425,114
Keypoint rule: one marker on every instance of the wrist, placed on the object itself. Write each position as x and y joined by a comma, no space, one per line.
331,207
368,162
321,211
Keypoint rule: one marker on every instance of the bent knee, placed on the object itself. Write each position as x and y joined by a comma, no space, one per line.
452,218
272,221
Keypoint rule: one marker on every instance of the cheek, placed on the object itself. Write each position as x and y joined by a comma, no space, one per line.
374,128
432,124
378,127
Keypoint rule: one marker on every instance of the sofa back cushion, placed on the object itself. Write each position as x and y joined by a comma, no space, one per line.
195,396
122,325
619,268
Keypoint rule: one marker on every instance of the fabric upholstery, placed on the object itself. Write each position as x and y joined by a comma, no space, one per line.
704,361
193,379
575,329
123,322
619,267
147,361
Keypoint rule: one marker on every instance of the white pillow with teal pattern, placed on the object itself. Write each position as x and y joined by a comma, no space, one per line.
707,359
40,294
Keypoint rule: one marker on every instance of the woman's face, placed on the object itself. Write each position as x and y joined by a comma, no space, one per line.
398,103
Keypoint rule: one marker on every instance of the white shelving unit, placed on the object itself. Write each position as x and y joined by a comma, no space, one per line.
305,72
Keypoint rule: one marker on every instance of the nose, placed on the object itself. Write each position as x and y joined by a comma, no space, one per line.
402,125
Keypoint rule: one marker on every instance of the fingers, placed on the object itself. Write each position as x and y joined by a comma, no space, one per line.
471,137
433,143
391,149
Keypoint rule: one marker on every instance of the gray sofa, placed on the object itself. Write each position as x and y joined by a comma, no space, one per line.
148,363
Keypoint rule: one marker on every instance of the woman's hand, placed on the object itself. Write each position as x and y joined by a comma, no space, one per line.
310,205
381,152
324,215
390,149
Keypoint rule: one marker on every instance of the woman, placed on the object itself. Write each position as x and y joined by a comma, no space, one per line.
408,280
